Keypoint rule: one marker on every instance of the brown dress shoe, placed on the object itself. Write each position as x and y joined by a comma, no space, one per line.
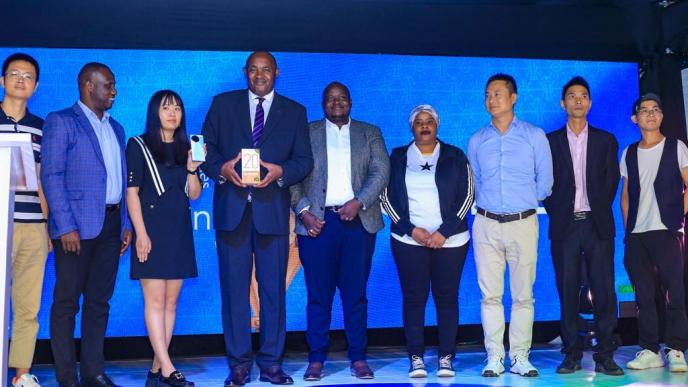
275,375
360,369
238,376
314,372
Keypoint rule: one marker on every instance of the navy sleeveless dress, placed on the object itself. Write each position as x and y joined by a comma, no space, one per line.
167,216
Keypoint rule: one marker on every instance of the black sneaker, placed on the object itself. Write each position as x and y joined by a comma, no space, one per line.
176,379
152,378
608,366
417,368
569,365
446,367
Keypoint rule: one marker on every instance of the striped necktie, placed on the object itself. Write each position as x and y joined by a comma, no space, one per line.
258,123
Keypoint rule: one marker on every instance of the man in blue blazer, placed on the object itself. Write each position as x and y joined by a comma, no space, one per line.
84,181
254,220
581,226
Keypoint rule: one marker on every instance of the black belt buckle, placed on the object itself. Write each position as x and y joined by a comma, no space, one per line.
582,215
111,207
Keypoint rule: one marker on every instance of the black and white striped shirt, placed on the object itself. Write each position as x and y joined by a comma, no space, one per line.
27,207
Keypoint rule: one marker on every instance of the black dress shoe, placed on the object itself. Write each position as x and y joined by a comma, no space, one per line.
238,376
570,365
608,366
314,372
101,380
176,379
152,378
70,383
275,375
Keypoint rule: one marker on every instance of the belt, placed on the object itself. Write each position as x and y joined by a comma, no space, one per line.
582,215
333,208
505,218
111,207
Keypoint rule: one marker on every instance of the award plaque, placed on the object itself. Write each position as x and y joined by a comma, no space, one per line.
250,166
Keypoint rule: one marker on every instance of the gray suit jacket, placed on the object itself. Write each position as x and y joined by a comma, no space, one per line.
369,174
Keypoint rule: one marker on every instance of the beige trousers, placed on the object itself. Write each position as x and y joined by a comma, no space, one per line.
29,253
496,245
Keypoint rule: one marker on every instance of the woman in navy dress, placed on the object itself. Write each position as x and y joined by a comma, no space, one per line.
161,179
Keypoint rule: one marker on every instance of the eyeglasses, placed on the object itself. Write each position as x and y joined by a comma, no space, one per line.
649,112
16,74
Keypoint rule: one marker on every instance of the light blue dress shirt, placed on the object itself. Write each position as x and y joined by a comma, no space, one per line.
112,155
513,171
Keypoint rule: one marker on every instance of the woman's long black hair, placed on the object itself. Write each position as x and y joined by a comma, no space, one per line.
153,136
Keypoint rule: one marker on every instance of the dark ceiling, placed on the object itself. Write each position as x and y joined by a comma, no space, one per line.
606,30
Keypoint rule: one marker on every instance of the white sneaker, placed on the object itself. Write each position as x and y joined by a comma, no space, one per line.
520,365
26,380
494,367
677,362
446,368
417,368
645,359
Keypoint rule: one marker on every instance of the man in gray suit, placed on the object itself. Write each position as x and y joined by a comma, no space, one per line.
338,216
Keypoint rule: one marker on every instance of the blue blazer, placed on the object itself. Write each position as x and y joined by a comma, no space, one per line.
285,141
73,174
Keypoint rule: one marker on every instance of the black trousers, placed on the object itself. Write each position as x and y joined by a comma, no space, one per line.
583,245
420,268
91,273
652,256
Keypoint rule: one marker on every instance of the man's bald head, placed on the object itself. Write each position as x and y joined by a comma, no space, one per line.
88,70
97,87
261,53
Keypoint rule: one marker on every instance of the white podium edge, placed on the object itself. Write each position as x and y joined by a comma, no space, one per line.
16,153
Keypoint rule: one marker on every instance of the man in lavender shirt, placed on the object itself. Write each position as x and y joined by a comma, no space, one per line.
581,226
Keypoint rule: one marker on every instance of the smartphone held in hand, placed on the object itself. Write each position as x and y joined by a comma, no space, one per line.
197,151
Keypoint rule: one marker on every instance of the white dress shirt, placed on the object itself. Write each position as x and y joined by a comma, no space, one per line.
339,190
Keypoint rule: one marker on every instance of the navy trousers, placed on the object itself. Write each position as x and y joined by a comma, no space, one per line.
338,258
236,250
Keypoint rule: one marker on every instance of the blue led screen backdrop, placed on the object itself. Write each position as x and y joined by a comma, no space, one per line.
384,89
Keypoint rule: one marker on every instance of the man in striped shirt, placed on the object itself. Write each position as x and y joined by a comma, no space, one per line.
30,244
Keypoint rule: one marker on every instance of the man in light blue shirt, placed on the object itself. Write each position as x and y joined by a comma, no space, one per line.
83,176
512,167
109,147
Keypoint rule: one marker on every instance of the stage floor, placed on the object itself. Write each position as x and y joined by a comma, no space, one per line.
391,367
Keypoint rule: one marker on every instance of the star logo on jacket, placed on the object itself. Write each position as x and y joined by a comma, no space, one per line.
426,166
